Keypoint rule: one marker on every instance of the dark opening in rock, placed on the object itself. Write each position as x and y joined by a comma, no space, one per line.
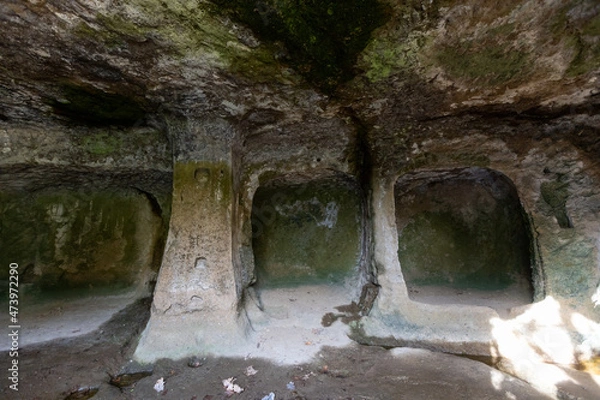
91,106
79,240
463,238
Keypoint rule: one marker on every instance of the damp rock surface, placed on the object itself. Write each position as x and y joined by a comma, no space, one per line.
102,239
464,230
307,233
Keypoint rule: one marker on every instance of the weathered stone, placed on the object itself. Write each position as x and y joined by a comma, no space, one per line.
82,393
199,279
306,233
131,374
462,228
102,239
213,104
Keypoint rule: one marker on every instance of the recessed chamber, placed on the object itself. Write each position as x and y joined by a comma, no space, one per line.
308,245
463,238
307,233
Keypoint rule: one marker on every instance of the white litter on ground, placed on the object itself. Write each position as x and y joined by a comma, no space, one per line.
231,387
159,386
250,371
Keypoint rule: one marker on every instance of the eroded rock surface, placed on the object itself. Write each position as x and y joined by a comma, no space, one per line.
193,108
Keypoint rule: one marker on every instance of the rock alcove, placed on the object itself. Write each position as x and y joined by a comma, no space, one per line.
464,238
226,159
307,233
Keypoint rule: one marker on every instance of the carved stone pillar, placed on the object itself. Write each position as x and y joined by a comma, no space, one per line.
195,301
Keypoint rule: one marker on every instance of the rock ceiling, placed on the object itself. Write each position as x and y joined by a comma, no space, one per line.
119,62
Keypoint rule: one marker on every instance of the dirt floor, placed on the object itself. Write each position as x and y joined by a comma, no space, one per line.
68,368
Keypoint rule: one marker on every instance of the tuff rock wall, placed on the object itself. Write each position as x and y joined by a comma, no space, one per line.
132,126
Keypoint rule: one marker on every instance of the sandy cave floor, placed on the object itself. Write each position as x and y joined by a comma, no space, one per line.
307,360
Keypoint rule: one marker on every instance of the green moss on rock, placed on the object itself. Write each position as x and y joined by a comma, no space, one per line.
102,144
189,30
69,239
483,62
398,46
383,58
107,37
306,233
587,47
556,194
106,143
463,233
577,26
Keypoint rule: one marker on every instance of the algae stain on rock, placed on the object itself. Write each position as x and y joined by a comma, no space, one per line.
306,233
490,59
76,239
399,45
555,194
576,25
212,179
101,144
190,31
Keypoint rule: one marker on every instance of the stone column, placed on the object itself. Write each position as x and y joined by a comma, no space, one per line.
393,294
396,320
195,303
